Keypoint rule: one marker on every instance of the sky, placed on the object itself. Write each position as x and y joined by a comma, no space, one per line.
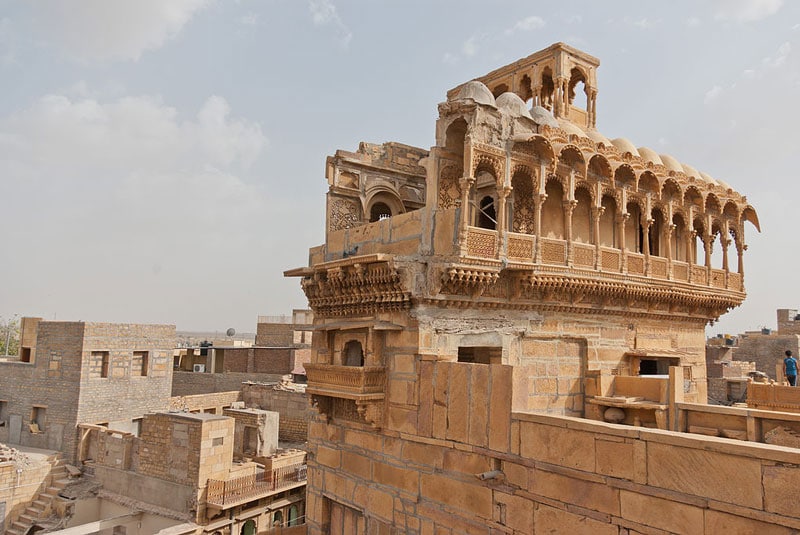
162,161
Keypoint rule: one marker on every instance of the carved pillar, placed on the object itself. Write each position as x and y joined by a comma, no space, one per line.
708,243
502,195
621,219
724,242
466,183
691,247
565,97
593,104
537,225
740,249
670,229
597,211
569,208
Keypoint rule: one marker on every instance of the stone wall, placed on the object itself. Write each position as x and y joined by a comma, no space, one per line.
766,350
17,490
190,383
540,473
293,407
213,403
274,334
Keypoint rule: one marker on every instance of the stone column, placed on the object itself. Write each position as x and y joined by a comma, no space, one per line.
621,219
708,243
724,242
466,183
537,225
740,249
502,195
569,208
597,211
691,249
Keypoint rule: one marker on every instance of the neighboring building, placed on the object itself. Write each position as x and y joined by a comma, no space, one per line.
468,346
100,394
70,373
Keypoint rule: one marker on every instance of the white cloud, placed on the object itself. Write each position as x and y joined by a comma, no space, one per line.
712,94
323,13
470,47
746,10
127,204
526,25
780,58
98,30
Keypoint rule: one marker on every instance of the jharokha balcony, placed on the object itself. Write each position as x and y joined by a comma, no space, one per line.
226,494
348,391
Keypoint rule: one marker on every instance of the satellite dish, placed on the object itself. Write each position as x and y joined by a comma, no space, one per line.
231,331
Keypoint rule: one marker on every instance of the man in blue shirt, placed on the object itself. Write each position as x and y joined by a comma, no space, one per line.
790,368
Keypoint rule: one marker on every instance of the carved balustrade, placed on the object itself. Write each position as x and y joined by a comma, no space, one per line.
236,491
542,254
351,379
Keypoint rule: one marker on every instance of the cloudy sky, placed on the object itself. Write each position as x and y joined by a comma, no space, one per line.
162,161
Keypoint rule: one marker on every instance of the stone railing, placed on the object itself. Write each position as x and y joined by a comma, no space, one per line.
526,248
224,494
354,379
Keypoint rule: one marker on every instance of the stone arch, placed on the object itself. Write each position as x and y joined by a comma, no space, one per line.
599,169
489,163
454,136
577,76
671,191
499,90
648,183
749,214
699,227
633,226
713,205
656,231
625,177
382,203
716,235
571,157
543,151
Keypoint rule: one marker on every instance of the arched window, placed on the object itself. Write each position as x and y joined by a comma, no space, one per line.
577,88
487,217
277,518
679,236
293,516
655,232
353,353
249,528
633,229
379,211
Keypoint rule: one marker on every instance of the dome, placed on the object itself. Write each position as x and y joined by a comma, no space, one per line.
671,163
708,178
597,137
691,171
570,128
623,145
478,92
649,155
542,116
513,105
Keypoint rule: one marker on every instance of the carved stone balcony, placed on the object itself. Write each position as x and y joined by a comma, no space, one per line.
522,267
364,385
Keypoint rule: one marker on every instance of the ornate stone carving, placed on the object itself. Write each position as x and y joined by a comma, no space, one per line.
449,189
344,213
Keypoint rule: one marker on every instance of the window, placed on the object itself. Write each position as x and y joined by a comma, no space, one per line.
99,364
3,412
217,441
25,354
38,419
353,353
277,518
137,426
481,355
293,516
140,362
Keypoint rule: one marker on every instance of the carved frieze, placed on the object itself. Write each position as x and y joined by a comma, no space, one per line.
344,213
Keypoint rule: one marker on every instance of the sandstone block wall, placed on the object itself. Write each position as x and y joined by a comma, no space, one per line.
557,474
17,490
190,383
293,407
274,334
766,350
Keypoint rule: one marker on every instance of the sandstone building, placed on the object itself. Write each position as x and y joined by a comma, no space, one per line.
480,308
98,396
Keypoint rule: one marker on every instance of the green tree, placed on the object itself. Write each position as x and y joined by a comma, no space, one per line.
9,330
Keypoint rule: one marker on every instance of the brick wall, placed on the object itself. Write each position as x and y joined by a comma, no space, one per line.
204,402
17,490
272,360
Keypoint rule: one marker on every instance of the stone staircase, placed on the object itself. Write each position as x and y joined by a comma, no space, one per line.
39,509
